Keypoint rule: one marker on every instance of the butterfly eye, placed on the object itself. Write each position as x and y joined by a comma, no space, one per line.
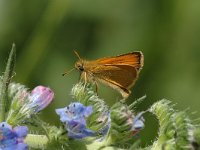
79,66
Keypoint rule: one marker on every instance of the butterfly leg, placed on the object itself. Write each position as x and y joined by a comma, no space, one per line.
85,79
96,86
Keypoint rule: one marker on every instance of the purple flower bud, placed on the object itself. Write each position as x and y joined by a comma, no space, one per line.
41,97
74,117
12,138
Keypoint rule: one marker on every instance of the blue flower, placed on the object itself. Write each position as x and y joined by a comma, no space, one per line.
40,98
12,138
138,123
74,117
78,130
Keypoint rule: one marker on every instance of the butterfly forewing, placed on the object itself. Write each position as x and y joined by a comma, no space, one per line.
134,59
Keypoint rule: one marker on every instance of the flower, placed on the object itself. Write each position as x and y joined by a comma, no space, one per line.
78,130
138,123
12,138
40,98
74,117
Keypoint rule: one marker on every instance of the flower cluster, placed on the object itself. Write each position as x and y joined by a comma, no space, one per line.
25,104
91,117
12,138
99,121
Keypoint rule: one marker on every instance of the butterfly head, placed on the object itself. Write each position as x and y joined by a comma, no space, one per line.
79,65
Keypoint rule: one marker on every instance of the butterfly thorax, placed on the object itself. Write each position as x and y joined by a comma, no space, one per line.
85,69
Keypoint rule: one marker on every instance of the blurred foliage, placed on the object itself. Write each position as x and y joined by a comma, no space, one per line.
47,32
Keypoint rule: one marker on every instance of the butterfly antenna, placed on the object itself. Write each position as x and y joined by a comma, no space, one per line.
76,53
67,72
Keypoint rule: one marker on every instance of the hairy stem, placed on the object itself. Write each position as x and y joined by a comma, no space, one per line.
4,103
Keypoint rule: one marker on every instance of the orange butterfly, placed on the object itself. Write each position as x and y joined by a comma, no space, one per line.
119,72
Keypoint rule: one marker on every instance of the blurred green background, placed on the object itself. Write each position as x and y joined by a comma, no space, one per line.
46,33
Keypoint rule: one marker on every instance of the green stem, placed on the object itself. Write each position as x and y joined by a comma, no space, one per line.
102,145
4,102
36,141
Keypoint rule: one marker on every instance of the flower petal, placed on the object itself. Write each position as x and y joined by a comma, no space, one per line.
21,131
88,111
